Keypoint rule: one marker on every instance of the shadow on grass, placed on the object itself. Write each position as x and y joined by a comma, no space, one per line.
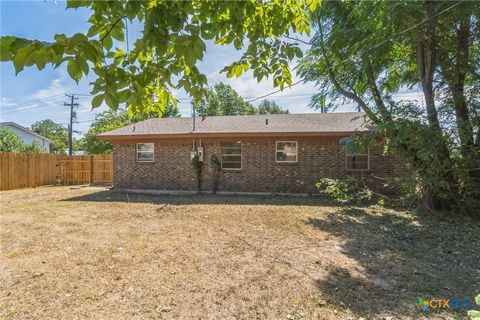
402,258
123,196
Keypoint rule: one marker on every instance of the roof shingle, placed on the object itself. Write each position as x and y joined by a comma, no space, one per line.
311,123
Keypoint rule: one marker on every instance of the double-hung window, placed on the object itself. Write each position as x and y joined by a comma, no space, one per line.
145,152
286,151
231,155
357,159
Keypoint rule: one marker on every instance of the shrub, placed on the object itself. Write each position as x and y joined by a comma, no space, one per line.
474,314
346,191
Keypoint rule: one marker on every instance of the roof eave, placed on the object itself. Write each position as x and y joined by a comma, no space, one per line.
225,135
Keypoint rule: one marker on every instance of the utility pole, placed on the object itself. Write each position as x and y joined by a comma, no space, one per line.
73,116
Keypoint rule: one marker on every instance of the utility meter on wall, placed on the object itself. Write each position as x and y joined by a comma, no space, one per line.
192,154
200,153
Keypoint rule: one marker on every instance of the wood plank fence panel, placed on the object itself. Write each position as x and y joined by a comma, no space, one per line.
74,169
22,170
102,169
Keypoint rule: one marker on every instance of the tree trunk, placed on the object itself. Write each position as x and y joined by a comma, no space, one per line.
384,113
426,63
455,79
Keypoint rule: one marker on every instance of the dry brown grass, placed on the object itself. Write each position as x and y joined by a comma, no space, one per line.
92,253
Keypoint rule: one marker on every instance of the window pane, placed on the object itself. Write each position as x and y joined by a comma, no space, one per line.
145,156
357,162
231,158
234,165
286,151
286,157
236,151
231,155
354,149
145,147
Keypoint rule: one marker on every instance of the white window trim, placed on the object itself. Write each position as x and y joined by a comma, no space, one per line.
241,157
153,152
296,150
358,154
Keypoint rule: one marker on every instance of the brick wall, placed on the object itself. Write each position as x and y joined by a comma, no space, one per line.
317,158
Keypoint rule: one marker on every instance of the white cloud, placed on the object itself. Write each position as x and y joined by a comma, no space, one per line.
56,88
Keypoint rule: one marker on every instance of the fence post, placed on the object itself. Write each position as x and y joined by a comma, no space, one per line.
91,169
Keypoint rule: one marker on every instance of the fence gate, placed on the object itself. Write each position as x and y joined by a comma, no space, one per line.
102,169
74,170
95,169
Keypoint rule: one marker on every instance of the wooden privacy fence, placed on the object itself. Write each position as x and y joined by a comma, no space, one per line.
94,169
20,170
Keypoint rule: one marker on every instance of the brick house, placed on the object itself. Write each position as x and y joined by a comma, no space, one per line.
254,153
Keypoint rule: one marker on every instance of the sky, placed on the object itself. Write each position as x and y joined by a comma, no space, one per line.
34,95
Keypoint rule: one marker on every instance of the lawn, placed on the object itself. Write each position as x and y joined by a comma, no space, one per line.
94,253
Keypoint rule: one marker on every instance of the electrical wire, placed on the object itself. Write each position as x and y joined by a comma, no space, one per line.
15,106
376,45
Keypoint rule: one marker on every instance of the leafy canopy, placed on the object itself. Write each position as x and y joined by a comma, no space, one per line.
53,131
223,100
110,120
11,142
172,42
270,107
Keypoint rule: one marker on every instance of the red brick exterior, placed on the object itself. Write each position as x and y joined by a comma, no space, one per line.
172,168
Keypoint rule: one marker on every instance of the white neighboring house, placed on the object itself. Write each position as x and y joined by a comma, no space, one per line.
28,136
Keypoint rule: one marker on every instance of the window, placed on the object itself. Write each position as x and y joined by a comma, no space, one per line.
145,152
286,151
231,155
357,159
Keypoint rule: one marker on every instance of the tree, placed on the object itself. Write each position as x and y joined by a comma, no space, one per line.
55,132
270,107
222,100
170,45
11,142
388,52
110,120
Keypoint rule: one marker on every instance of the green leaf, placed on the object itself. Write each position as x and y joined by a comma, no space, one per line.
473,314
298,52
19,59
76,39
94,30
30,58
107,42
41,60
111,101
74,70
61,39
97,101
6,48
117,33
75,4
477,300
83,65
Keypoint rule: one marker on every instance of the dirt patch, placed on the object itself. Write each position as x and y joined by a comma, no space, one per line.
94,253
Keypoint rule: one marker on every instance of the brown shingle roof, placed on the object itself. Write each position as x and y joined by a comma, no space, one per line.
251,125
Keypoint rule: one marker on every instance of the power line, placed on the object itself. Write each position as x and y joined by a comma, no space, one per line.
24,104
273,92
27,108
378,44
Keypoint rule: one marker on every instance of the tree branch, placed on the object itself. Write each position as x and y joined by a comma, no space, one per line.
349,94
111,28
